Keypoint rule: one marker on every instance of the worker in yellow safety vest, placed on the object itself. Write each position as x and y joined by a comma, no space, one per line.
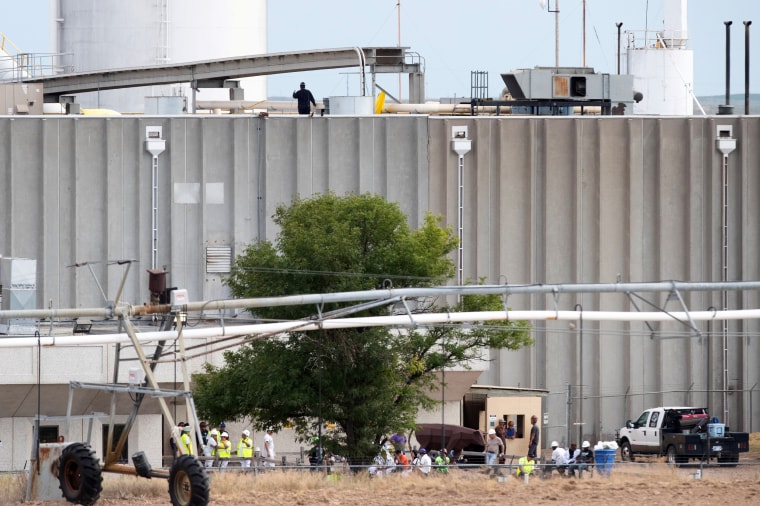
525,466
224,450
245,449
186,441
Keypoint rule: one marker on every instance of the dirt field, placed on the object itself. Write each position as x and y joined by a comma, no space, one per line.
652,483
646,481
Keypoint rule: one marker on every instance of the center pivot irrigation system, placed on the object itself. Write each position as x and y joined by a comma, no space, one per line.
80,472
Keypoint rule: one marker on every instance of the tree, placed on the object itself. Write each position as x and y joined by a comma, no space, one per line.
368,381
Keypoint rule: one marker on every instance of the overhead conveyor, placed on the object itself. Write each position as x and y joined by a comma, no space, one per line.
221,73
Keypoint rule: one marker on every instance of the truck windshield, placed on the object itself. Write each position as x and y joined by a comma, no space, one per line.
642,421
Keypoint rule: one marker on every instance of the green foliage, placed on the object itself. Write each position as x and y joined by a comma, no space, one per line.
370,381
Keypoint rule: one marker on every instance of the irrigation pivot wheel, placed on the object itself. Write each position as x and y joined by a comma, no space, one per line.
188,482
79,474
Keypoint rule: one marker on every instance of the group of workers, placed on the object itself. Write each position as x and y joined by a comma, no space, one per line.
565,461
216,447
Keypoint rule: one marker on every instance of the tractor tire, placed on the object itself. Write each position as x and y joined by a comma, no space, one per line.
79,475
625,452
188,482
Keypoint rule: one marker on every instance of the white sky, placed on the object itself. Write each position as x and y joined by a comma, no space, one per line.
457,37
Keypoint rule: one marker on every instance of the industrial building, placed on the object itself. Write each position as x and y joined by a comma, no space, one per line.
545,200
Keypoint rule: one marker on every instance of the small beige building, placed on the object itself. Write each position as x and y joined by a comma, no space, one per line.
494,403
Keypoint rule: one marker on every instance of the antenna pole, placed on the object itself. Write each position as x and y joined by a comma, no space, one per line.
556,30
398,5
584,33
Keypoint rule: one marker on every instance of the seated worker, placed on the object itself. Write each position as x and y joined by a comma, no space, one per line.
525,466
583,461
559,459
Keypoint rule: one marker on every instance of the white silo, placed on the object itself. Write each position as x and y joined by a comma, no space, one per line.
662,65
116,34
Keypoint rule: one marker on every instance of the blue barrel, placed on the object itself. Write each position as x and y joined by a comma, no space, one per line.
604,460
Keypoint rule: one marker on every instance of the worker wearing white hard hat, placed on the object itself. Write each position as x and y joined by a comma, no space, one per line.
494,449
245,449
560,458
584,460
211,447
224,450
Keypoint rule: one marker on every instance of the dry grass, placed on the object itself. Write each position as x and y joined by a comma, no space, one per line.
754,442
654,483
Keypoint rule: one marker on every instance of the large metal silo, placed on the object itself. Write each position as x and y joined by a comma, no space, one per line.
663,65
110,34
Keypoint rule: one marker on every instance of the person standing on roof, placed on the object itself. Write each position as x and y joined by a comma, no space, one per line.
305,100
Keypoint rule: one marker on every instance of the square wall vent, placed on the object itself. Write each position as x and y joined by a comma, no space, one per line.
218,259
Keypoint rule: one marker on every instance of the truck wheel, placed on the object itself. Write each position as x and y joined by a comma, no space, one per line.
79,475
728,460
625,451
188,482
672,457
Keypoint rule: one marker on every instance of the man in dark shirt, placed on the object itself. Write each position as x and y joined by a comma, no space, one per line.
304,98
534,435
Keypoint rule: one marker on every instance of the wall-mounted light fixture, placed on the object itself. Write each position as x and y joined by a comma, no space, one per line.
461,145
155,145
724,140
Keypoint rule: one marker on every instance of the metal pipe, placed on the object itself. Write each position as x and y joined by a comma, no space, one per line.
556,34
366,295
460,222
579,308
584,33
619,24
362,75
376,321
746,66
154,212
728,61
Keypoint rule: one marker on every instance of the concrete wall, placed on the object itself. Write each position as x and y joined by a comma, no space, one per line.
547,200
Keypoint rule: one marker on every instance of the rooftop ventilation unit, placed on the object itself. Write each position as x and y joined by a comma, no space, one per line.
569,85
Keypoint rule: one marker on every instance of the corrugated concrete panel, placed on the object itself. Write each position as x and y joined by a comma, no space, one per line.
546,200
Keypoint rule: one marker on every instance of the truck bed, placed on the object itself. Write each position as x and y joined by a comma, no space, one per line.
701,445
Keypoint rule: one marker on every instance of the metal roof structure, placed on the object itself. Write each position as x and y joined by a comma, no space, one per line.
219,73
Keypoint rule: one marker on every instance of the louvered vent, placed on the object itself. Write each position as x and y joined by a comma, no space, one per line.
218,259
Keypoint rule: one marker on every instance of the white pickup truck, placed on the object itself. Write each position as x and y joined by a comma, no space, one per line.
681,433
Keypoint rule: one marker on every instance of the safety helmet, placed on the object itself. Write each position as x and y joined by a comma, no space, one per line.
246,433
224,434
